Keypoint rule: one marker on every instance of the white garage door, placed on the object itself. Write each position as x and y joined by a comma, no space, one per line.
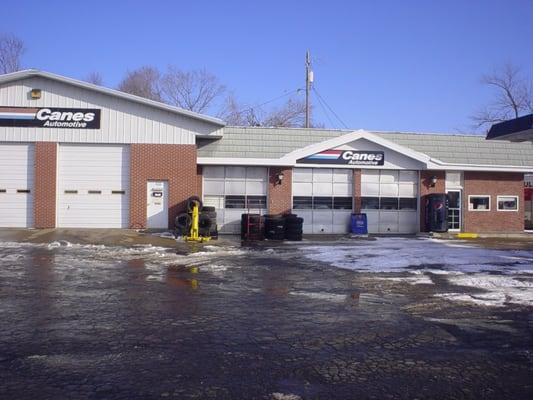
234,191
324,198
93,186
16,185
390,200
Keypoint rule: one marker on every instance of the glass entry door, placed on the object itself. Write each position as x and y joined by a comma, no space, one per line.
454,210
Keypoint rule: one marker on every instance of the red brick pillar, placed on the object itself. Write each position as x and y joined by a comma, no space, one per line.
426,188
279,194
357,190
44,197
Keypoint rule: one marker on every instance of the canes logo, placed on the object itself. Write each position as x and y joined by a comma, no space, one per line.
48,117
350,157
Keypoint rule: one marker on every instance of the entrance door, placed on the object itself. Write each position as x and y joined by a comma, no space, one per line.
454,210
157,208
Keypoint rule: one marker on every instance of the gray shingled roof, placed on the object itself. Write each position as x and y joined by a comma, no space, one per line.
260,142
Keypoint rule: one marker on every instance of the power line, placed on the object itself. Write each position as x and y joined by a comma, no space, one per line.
326,113
268,101
329,108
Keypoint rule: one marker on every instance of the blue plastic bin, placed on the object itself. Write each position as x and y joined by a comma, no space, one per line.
359,224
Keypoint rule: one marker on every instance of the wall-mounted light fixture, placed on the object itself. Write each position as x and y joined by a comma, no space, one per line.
35,94
432,181
279,178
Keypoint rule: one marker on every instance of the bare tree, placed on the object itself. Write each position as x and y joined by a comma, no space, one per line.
514,96
143,82
95,78
290,114
196,90
11,51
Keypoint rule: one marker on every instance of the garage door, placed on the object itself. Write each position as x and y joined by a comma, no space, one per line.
234,191
324,198
93,186
16,185
390,200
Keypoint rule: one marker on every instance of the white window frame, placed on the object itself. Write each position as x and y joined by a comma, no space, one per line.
477,209
509,195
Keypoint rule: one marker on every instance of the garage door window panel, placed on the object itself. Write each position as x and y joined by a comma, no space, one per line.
302,202
388,203
235,202
370,203
342,203
256,202
322,203
408,204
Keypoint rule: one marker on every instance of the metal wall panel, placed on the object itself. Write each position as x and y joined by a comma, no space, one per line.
122,121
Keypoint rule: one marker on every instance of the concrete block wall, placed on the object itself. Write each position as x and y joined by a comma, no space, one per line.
44,196
173,163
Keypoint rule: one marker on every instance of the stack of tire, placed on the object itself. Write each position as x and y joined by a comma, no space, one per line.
252,227
207,219
293,227
274,227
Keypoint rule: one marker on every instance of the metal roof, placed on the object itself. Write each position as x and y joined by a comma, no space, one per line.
516,130
30,73
274,143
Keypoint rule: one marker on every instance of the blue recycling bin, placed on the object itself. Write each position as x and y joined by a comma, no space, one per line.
359,225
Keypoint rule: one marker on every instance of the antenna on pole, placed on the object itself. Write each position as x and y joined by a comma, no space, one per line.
308,81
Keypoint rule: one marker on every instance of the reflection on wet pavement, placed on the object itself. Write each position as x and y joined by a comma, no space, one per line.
97,322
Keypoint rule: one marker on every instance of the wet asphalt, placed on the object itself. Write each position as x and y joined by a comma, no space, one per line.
225,322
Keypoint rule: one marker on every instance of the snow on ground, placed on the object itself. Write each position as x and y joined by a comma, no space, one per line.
479,276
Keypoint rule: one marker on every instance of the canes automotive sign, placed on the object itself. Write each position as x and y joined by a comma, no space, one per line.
349,157
48,117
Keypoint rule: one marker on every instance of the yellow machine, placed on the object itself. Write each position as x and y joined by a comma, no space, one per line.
194,234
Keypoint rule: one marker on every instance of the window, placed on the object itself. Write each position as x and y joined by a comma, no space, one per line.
342,203
322,203
118,192
23,190
407,203
370,203
71,192
94,192
235,202
3,190
256,202
388,203
302,202
507,203
479,203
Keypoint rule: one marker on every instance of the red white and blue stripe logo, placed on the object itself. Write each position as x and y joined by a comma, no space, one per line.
17,113
326,155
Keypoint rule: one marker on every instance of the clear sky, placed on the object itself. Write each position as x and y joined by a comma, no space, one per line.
381,65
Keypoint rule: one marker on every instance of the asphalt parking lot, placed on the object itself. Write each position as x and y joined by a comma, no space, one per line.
390,318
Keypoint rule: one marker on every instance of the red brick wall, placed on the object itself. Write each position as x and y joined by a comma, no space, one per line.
425,189
357,190
44,198
173,163
279,195
493,184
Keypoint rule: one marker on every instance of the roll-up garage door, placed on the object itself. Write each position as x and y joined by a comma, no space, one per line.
16,185
234,191
324,198
390,200
93,186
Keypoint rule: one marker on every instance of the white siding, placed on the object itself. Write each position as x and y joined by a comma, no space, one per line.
17,165
122,121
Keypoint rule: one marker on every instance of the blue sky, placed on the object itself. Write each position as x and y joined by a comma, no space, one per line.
381,65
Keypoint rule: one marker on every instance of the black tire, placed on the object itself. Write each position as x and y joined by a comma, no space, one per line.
194,200
183,222
294,238
294,231
294,221
210,214
208,209
204,221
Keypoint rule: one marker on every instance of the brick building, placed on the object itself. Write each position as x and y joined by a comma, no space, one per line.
73,154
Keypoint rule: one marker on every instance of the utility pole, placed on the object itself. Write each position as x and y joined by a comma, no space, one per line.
308,82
